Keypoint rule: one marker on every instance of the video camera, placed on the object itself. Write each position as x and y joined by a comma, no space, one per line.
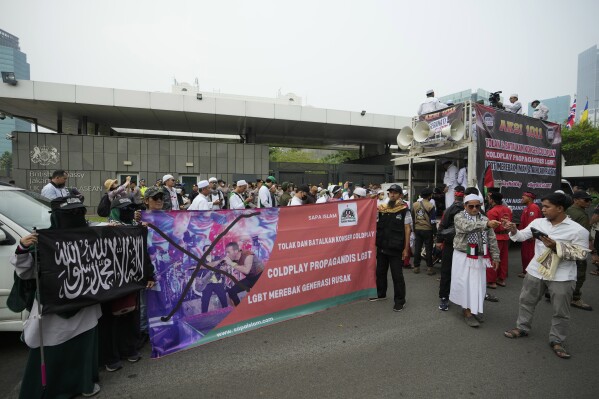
495,100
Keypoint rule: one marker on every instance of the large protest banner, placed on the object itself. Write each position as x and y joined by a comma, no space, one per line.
439,120
518,152
294,261
83,266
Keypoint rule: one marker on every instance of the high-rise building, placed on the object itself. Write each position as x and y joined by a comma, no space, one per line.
12,59
559,108
466,95
587,87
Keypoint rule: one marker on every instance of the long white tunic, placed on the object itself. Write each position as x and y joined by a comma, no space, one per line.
431,104
200,203
451,180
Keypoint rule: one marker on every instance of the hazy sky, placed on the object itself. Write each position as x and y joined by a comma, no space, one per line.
380,56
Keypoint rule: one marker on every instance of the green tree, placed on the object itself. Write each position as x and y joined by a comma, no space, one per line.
278,154
580,145
341,156
6,162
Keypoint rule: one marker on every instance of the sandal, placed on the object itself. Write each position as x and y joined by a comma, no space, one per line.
515,333
559,350
595,272
492,286
500,283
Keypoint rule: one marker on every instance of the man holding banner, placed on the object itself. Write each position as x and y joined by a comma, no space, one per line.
67,346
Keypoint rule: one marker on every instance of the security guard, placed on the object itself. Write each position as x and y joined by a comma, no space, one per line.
393,245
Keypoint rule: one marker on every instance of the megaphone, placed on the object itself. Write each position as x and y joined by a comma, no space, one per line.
405,137
456,130
421,131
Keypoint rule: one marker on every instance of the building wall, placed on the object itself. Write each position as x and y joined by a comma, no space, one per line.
588,83
12,60
90,160
559,108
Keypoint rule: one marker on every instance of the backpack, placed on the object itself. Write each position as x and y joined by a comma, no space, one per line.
104,206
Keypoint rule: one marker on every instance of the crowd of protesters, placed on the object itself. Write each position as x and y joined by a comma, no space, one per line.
467,233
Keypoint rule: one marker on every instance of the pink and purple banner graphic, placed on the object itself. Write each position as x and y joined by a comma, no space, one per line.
221,273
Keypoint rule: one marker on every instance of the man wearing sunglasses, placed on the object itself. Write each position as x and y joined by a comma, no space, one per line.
577,212
475,250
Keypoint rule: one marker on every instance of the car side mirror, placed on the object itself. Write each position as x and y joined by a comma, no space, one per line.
6,239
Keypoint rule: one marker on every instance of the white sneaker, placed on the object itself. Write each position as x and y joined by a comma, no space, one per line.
92,393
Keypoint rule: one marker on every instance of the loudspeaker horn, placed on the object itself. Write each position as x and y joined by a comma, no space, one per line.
405,137
421,131
456,130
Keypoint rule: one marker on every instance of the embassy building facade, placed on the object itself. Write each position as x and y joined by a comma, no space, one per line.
106,133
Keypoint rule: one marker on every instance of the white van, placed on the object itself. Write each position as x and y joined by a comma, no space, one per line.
20,212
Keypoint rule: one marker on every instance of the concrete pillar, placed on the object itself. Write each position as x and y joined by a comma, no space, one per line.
371,150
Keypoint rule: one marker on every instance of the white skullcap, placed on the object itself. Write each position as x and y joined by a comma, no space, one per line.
167,177
472,197
513,95
431,91
360,191
212,179
559,192
202,184
241,183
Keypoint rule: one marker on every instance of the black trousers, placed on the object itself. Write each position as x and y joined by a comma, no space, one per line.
118,335
219,290
446,259
423,237
249,282
383,263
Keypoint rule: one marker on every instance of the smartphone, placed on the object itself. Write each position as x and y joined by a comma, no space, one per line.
537,233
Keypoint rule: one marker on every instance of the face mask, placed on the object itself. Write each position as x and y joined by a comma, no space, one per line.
126,215
68,219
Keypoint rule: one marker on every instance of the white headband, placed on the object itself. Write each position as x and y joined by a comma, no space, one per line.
471,197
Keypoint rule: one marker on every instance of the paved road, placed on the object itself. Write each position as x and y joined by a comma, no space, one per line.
364,350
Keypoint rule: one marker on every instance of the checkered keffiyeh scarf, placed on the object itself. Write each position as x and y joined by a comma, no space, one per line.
478,241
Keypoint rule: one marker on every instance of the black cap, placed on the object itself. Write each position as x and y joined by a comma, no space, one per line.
395,187
459,189
426,192
581,195
66,203
120,203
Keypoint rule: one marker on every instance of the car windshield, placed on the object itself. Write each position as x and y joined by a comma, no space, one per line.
24,210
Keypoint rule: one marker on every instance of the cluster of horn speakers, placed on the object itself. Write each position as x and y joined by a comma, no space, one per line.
422,131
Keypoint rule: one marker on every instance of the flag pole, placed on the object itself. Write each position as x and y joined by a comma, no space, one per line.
39,316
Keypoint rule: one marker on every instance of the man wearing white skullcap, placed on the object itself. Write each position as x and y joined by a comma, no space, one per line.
473,243
431,104
515,106
237,200
200,202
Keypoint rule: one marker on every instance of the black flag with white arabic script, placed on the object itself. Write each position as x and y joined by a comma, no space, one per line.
85,266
